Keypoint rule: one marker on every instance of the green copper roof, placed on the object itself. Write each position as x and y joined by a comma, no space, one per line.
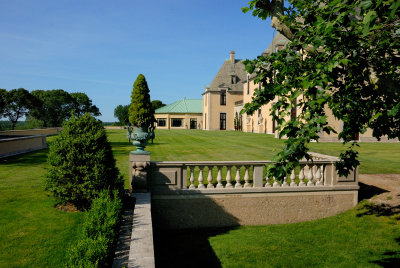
184,106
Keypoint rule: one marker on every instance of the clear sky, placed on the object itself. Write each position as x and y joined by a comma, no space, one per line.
99,47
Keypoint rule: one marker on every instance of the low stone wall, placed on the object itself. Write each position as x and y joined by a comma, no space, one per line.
141,251
115,127
31,132
361,139
19,145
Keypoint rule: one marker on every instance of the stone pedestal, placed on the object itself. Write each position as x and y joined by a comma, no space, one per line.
138,169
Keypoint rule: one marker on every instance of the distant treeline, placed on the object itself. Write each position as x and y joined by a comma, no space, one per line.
6,125
42,108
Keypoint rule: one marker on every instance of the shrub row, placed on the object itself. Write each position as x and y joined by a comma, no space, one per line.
98,235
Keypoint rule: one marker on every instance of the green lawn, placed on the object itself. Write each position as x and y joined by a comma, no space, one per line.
356,238
197,145
33,233
360,237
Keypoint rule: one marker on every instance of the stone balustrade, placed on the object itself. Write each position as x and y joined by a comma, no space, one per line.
242,175
203,194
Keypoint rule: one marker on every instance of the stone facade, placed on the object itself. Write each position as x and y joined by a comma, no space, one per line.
237,95
220,97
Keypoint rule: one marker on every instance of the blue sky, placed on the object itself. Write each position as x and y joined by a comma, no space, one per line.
99,47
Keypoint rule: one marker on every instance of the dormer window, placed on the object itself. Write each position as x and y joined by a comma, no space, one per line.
278,47
233,79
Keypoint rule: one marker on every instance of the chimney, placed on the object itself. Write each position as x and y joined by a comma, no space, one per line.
232,57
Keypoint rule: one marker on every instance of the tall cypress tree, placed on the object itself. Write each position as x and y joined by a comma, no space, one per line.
141,113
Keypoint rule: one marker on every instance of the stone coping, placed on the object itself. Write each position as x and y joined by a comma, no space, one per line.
279,189
141,251
15,138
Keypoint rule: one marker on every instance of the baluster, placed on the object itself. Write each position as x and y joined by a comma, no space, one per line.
191,178
237,178
293,178
276,183
246,178
301,177
310,176
201,178
318,176
285,184
210,178
219,178
228,178
267,184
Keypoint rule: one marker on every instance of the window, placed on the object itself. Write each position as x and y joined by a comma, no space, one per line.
223,97
193,123
278,47
176,122
259,112
234,79
161,122
222,121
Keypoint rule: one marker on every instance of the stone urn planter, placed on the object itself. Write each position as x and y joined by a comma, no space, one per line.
140,138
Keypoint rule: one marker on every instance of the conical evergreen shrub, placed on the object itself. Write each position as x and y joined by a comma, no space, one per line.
81,163
141,113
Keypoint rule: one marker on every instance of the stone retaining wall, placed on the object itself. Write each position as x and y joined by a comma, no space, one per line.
19,145
250,208
31,132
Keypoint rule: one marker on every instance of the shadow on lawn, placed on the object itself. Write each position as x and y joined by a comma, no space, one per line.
389,258
186,248
27,159
367,191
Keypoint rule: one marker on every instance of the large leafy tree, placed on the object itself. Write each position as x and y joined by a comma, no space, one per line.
82,104
55,106
121,112
155,104
342,55
17,104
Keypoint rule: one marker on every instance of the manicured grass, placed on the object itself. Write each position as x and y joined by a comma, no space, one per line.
197,145
356,238
361,237
32,232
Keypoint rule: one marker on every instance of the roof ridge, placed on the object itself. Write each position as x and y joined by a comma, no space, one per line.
174,104
186,108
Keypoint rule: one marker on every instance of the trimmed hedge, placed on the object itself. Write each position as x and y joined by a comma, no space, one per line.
81,163
98,235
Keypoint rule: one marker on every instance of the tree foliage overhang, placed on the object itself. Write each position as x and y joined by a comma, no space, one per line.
342,55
